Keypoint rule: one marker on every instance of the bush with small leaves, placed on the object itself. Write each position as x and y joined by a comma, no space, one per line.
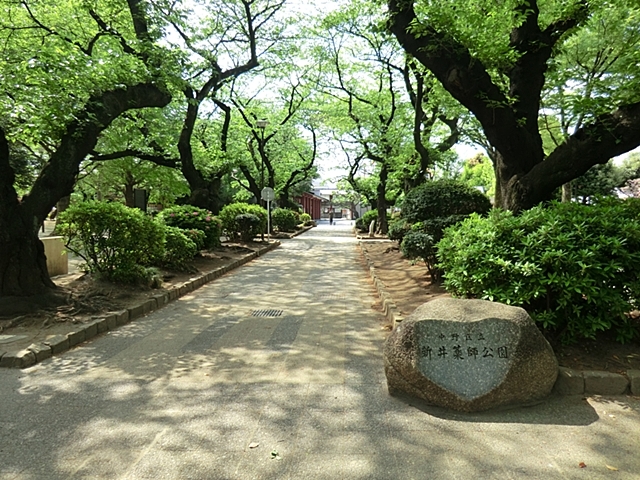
419,245
248,225
188,217
115,241
230,212
398,228
365,220
573,267
284,220
179,249
305,219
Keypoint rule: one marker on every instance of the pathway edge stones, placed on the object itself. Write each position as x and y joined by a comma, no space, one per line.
568,382
112,320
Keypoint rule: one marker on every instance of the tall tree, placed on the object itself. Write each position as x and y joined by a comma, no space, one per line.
494,60
57,99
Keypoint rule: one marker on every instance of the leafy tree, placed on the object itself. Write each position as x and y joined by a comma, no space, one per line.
478,172
495,60
68,72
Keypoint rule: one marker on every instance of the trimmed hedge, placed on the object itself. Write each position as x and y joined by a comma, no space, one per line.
573,267
228,215
284,220
188,217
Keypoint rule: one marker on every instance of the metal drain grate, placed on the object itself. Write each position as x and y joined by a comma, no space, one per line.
268,312
332,297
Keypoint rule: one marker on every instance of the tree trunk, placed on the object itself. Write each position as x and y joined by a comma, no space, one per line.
381,203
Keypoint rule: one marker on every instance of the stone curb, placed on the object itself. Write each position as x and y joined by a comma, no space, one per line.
569,381
289,236
35,353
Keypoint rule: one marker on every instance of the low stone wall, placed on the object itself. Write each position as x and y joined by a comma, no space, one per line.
57,260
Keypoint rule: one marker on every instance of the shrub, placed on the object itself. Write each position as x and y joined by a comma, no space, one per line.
179,249
573,267
188,217
305,218
398,228
196,236
443,198
434,206
417,244
228,217
284,220
248,225
115,241
365,220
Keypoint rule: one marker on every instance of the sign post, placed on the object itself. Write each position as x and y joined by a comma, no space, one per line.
268,195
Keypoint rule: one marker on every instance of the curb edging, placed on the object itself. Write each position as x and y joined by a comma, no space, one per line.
568,382
36,352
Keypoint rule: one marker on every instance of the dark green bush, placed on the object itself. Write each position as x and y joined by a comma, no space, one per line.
248,225
228,217
365,220
196,236
188,217
284,220
434,206
115,241
573,267
418,245
179,249
443,198
398,228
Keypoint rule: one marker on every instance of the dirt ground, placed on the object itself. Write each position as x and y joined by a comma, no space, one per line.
90,298
409,285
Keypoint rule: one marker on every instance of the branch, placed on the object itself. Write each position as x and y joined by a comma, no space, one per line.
157,159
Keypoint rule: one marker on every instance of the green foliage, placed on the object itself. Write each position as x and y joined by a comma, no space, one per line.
418,244
115,241
573,267
398,228
188,217
478,172
179,249
443,198
248,225
230,212
365,220
434,206
284,220
305,218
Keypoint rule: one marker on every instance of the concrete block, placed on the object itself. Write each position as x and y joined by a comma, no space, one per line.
112,322
41,351
634,381
57,261
173,294
76,337
135,312
7,360
569,382
122,317
161,299
58,343
24,358
101,324
149,306
604,383
90,330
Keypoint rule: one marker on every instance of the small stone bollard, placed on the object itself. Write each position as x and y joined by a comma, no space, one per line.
372,229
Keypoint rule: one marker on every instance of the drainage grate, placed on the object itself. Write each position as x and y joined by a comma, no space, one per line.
269,312
332,297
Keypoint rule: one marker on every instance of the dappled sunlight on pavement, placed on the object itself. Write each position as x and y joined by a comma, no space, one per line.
275,371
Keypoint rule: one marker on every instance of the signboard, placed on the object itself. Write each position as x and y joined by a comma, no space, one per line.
268,194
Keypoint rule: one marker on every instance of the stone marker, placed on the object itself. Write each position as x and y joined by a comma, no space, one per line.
469,355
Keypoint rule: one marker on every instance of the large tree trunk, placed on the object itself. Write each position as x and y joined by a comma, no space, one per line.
510,118
23,269
381,202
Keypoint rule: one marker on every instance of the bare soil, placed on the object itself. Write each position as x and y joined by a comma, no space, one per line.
409,284
89,298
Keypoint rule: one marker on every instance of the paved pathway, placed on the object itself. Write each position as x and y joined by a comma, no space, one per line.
207,389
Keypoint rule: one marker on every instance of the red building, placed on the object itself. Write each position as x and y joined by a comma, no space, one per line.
311,204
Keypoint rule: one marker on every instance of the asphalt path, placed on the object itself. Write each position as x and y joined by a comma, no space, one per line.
275,371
